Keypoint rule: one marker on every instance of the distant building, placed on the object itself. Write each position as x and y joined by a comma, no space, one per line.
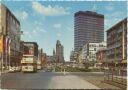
44,59
88,28
72,56
80,57
69,63
10,31
40,52
54,56
59,52
22,49
101,56
117,42
89,51
75,56
50,59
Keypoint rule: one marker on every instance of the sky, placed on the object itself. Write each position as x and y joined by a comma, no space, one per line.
45,22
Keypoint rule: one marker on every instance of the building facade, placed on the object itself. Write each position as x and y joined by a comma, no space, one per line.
54,56
101,56
59,52
75,56
72,55
117,42
50,59
40,59
44,59
88,27
10,30
80,57
89,51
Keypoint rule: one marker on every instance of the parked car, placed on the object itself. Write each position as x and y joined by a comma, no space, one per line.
17,69
12,69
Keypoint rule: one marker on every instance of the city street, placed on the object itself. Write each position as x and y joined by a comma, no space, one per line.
45,80
76,46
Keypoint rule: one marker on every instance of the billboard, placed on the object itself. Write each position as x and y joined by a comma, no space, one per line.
1,44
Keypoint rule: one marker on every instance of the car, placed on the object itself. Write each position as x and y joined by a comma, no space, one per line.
11,69
48,70
17,69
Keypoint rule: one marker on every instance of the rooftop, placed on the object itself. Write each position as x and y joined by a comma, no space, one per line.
89,13
10,13
117,24
31,43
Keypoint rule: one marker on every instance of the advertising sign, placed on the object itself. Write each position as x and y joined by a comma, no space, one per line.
1,44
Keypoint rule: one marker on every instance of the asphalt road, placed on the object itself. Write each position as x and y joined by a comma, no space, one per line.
45,80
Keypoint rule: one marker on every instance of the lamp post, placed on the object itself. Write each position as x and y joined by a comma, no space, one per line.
7,44
9,52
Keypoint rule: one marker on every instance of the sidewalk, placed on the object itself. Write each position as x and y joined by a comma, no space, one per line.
124,77
98,81
5,71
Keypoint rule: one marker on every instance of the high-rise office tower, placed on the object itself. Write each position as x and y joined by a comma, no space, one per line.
88,28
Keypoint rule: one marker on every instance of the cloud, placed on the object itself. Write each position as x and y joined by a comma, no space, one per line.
58,35
49,10
42,30
21,15
108,23
38,23
34,31
27,34
113,18
117,14
70,29
57,25
38,30
109,7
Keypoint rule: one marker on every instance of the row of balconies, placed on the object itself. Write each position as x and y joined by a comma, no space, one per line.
117,30
118,55
114,52
114,42
114,46
114,35
114,39
118,48
111,40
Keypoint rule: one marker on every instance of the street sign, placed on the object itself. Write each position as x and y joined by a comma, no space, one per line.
1,44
